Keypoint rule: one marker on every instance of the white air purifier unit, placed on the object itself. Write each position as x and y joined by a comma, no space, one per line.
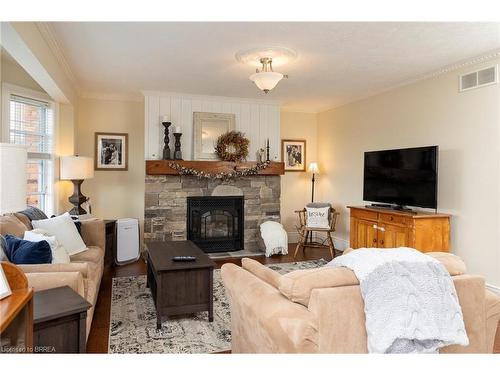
127,241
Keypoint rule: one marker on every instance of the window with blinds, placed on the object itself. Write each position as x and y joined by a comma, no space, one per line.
32,124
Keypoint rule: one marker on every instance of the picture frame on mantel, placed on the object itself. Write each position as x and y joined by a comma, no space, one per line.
293,154
208,127
111,152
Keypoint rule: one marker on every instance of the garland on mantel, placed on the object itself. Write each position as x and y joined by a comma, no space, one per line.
222,175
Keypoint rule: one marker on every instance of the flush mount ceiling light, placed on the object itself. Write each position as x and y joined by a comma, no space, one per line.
266,79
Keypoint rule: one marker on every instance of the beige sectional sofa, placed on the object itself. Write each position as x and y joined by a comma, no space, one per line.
83,274
322,311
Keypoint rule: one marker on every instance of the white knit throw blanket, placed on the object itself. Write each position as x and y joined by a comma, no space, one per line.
411,305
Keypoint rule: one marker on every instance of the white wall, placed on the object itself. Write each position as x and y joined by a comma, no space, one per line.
259,120
430,112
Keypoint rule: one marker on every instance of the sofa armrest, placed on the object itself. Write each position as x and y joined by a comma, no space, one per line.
48,280
341,319
262,272
262,319
81,267
492,318
94,233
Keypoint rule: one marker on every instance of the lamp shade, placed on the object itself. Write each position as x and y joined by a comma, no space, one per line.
13,182
313,168
76,168
266,80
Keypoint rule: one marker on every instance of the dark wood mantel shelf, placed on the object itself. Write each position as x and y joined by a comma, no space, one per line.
160,167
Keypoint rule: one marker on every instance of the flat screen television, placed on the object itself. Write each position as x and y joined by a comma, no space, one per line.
403,177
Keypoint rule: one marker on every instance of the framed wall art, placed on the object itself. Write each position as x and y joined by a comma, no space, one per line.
293,154
111,152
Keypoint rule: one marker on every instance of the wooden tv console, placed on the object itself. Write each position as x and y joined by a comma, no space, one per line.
385,228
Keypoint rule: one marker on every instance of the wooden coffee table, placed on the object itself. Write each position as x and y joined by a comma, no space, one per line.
179,287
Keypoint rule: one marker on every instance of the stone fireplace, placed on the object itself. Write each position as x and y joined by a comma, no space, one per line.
166,207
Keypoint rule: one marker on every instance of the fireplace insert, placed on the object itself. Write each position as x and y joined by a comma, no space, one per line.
215,224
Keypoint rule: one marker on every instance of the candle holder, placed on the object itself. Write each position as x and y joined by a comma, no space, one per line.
267,150
166,141
177,151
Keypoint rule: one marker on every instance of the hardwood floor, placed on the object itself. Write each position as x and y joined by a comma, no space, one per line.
98,338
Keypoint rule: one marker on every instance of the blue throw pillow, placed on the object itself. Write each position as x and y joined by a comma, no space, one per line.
26,252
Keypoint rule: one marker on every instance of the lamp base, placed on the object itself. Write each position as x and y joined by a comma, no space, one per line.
77,199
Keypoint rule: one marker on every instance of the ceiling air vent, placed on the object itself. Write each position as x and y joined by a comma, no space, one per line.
480,78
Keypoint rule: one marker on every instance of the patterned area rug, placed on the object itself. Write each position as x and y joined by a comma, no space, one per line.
133,319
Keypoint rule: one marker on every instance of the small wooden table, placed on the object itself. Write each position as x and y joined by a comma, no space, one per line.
16,313
110,248
60,317
179,287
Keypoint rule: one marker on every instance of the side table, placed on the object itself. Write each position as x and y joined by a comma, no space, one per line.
110,250
59,317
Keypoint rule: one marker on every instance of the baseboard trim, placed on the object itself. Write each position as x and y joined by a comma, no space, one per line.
495,289
340,243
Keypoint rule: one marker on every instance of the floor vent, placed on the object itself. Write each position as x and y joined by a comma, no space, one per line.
480,78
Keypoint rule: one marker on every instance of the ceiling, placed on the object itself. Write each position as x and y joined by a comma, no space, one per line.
337,62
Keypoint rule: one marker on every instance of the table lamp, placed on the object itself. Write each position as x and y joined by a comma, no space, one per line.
313,168
77,169
13,180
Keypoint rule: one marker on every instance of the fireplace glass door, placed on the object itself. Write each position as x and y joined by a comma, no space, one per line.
216,223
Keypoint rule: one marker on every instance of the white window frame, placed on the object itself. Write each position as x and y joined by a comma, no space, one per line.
8,90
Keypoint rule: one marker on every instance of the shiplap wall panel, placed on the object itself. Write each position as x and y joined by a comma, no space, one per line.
152,122
187,131
258,120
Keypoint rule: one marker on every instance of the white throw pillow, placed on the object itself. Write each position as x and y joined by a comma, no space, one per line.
65,231
317,217
59,253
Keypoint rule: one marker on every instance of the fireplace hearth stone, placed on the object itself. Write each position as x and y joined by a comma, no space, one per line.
166,204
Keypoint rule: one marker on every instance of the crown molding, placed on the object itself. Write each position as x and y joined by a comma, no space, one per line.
50,38
211,97
285,109
119,97
491,55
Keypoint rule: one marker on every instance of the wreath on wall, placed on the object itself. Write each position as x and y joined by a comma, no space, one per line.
232,146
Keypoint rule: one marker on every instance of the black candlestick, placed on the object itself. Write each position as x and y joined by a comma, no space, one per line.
166,140
177,151
267,150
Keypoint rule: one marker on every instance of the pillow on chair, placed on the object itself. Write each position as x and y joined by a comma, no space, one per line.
318,217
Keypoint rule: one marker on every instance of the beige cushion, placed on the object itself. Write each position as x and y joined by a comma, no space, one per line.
82,267
9,224
453,264
48,280
24,219
262,272
93,254
297,285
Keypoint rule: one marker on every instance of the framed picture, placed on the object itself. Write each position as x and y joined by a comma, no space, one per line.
207,128
4,285
293,154
111,152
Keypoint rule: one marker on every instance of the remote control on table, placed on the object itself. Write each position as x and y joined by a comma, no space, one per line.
185,258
